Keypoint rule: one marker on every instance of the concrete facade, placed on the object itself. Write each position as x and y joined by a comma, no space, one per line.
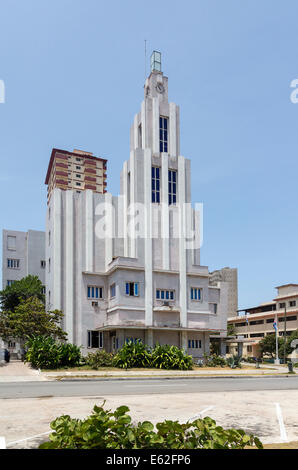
230,276
125,266
23,253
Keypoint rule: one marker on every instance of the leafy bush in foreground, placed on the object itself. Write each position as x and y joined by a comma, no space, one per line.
133,355
45,353
98,359
161,357
170,357
114,430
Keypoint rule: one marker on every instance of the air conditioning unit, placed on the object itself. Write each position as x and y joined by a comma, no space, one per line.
94,304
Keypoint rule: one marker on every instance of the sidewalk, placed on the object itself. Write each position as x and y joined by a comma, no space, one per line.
203,372
17,371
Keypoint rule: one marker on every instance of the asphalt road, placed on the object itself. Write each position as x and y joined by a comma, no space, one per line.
96,388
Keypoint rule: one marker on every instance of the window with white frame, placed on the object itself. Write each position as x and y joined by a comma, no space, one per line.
155,182
196,293
132,288
172,187
165,294
13,263
194,344
94,292
112,291
9,282
95,339
163,134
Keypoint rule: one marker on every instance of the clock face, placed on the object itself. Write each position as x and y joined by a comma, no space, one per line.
160,88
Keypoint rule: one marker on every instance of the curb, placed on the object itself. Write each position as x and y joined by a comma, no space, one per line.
204,377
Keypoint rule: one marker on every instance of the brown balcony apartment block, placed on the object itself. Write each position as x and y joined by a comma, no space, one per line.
77,171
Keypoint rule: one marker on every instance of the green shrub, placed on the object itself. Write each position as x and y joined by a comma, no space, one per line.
214,360
170,357
162,357
133,354
234,362
45,353
114,430
98,359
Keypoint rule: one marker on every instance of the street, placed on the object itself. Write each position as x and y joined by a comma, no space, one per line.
73,388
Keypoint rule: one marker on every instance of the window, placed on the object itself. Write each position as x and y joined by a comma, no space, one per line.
237,325
42,263
112,290
11,242
13,263
172,186
249,348
78,167
155,184
282,305
163,134
132,288
194,344
94,292
49,238
49,265
270,320
78,159
43,290
78,184
214,308
140,136
78,176
256,322
95,339
292,303
163,294
196,293
293,318
257,335
10,283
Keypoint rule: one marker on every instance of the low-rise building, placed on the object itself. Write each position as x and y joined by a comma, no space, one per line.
254,323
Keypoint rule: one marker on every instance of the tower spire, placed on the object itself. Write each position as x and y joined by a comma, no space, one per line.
155,61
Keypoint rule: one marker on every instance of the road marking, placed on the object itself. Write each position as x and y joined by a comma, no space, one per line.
283,434
28,438
2,443
148,385
200,415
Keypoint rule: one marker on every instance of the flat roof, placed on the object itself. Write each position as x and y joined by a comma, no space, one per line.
79,153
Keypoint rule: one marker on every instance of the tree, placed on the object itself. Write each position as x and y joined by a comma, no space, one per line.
289,349
231,330
30,319
29,286
267,345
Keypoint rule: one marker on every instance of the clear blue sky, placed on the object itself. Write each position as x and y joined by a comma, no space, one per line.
74,75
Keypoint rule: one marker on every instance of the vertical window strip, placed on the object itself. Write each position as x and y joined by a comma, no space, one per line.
155,184
163,134
172,186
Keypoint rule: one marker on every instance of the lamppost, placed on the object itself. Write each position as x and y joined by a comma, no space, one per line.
277,361
285,332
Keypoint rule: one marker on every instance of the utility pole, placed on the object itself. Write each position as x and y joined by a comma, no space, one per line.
285,332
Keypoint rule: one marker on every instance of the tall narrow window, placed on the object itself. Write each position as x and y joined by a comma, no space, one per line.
140,136
155,184
163,134
172,187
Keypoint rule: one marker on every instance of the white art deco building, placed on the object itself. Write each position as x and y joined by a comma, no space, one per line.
128,267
